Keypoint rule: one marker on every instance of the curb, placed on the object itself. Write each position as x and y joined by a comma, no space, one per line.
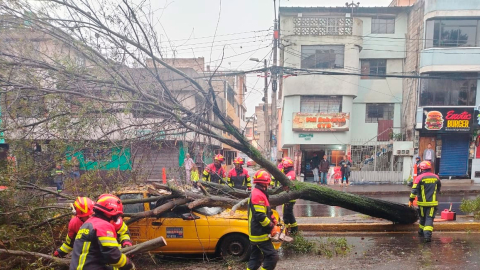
388,227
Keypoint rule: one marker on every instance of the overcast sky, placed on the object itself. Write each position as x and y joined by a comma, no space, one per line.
242,27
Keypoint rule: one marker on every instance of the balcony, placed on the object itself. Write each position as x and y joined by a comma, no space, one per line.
321,26
450,59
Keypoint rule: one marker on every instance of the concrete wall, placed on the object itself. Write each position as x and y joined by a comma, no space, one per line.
450,59
362,131
384,45
451,5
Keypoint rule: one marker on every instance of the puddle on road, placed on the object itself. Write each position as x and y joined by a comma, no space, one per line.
399,251
311,209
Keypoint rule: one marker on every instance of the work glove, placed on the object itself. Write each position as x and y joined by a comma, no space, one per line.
274,221
275,231
410,204
58,254
126,244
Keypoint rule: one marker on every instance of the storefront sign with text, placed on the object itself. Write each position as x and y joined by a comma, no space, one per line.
445,120
321,122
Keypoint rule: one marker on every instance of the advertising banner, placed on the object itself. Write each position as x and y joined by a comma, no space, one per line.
447,120
321,122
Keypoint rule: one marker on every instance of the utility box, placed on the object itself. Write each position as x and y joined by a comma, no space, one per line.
403,148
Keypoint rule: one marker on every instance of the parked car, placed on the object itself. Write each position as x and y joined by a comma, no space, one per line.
251,163
205,229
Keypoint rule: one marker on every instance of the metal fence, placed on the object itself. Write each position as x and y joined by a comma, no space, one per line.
373,161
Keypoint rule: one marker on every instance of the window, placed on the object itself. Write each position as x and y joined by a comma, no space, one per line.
452,33
374,67
378,111
135,207
457,89
383,26
320,56
320,104
230,95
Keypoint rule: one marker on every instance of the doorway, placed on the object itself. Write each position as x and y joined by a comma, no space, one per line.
422,145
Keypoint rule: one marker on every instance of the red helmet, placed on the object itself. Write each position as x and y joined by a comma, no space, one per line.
262,177
238,160
220,158
83,206
425,165
287,162
109,204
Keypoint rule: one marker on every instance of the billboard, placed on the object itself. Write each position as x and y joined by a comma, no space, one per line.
321,122
447,120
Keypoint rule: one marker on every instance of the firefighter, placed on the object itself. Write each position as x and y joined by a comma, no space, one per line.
84,209
288,216
96,245
426,187
214,172
58,177
238,177
261,225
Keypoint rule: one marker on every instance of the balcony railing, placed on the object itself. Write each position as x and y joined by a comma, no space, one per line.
321,26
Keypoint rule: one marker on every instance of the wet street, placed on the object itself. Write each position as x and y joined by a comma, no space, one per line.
403,251
311,209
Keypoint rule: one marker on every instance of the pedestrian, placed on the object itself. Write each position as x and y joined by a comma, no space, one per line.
75,173
261,225
323,167
194,175
58,177
345,169
96,245
238,176
315,162
425,188
189,164
429,155
214,172
83,211
288,216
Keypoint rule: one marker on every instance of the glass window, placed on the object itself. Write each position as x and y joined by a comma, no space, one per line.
383,26
135,207
452,33
320,104
379,111
320,56
455,90
374,67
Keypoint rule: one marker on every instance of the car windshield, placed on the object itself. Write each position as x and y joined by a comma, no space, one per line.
209,211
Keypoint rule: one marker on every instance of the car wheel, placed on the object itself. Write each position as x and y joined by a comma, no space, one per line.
235,246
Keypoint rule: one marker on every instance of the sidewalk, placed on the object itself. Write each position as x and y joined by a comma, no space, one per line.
448,187
363,223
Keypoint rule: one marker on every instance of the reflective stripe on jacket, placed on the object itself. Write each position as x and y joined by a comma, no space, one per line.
96,247
214,174
239,179
259,216
425,188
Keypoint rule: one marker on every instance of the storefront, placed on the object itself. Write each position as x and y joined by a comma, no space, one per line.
314,133
449,132
475,148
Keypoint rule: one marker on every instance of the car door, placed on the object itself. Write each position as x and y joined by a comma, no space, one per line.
139,229
184,232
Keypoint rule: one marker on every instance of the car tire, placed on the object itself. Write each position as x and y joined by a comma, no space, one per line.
236,247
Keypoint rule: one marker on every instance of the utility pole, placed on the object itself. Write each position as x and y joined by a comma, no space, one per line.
265,112
274,72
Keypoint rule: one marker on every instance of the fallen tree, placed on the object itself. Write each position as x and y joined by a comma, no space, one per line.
133,250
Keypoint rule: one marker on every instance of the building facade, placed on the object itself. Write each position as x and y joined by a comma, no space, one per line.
349,111
444,44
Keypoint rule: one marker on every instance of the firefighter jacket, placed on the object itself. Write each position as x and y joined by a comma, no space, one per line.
214,174
58,176
74,226
194,176
260,216
239,179
425,188
96,247
290,173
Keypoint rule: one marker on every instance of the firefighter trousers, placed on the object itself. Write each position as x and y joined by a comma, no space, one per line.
289,218
270,256
427,214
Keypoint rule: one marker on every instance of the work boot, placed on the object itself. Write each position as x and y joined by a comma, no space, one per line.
420,232
427,239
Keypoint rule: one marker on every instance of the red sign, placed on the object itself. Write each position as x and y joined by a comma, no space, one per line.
321,121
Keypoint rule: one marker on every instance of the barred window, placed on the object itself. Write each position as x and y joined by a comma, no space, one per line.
320,104
379,111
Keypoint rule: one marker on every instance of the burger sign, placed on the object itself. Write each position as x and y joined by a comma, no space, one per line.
447,119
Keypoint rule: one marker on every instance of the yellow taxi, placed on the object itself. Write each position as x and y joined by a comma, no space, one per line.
210,230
